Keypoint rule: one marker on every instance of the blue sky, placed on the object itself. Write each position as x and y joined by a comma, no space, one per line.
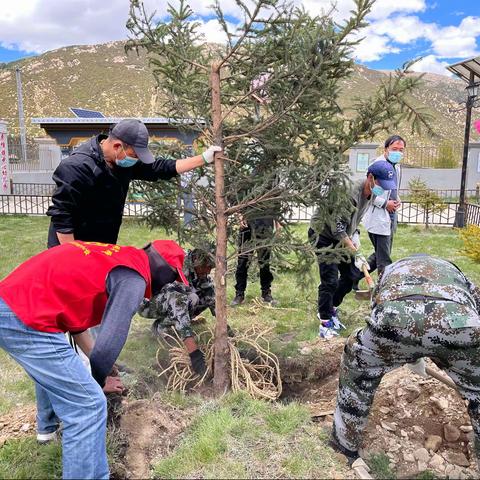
442,31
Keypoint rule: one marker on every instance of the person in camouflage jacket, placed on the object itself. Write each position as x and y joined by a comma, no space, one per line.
422,307
178,304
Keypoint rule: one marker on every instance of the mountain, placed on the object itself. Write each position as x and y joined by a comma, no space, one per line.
103,77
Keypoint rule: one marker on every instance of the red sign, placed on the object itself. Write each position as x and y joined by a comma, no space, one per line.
3,162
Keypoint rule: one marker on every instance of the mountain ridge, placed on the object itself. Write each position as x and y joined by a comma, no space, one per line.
103,77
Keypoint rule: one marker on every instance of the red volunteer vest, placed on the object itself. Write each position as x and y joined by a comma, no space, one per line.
64,288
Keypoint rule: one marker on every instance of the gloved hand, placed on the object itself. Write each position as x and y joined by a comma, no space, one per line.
418,367
356,239
198,362
209,154
360,261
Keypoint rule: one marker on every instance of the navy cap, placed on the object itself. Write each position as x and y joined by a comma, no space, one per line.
134,133
384,172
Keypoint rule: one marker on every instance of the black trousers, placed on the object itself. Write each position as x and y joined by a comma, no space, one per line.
380,258
336,280
246,242
382,244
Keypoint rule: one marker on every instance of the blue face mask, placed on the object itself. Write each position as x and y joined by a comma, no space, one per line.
377,190
127,161
395,157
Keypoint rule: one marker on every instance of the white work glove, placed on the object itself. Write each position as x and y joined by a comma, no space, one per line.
360,261
356,239
209,154
418,367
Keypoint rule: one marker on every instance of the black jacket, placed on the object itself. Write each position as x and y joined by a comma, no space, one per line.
90,196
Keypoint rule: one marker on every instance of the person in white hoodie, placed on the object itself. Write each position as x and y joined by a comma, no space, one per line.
381,218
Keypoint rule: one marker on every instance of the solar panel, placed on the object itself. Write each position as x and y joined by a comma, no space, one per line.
468,70
82,113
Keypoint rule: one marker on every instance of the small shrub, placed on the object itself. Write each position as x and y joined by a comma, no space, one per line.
379,465
447,155
427,199
426,475
471,242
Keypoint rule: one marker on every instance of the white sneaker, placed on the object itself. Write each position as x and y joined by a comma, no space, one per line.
46,437
327,333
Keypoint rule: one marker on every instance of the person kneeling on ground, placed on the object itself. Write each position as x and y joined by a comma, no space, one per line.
422,307
71,288
179,302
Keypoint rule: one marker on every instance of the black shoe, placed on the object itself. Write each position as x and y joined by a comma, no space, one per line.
355,286
267,298
238,300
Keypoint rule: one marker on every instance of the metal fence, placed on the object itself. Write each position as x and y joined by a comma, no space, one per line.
412,213
472,215
447,195
409,213
18,188
16,155
300,213
38,205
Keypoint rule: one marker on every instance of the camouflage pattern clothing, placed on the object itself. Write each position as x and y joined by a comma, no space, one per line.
422,307
176,304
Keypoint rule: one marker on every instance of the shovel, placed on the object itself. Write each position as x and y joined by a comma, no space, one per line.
365,294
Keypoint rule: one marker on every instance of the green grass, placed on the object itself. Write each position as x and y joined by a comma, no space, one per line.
380,468
237,437
25,458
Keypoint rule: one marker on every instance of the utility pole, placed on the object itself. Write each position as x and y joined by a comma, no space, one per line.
460,215
21,117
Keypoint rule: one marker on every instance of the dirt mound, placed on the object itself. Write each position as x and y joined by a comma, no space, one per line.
19,423
151,430
419,423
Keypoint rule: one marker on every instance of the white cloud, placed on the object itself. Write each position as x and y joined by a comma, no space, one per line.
457,42
373,47
213,32
385,8
36,26
431,64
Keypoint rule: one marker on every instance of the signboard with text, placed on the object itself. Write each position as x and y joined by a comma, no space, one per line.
4,180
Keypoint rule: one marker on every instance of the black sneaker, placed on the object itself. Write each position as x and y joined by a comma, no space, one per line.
267,298
238,300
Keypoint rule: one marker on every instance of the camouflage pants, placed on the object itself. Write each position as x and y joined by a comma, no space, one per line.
175,306
401,332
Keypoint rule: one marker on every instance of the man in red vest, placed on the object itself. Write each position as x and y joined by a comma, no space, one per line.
71,288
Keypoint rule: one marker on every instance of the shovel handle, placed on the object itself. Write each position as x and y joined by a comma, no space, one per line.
368,278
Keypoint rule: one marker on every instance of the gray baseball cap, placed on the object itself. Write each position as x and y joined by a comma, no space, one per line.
134,133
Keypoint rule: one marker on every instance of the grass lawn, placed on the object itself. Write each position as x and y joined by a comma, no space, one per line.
225,432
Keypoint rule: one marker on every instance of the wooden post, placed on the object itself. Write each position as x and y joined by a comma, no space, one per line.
221,379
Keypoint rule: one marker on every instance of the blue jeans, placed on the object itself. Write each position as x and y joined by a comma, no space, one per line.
76,398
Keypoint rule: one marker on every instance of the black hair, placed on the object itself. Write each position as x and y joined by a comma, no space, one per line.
393,139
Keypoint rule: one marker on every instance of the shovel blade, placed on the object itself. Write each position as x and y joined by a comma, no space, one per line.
363,295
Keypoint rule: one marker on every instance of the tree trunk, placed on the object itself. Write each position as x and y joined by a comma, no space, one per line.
427,214
221,380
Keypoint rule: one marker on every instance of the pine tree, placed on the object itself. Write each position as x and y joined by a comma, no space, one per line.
269,98
427,199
